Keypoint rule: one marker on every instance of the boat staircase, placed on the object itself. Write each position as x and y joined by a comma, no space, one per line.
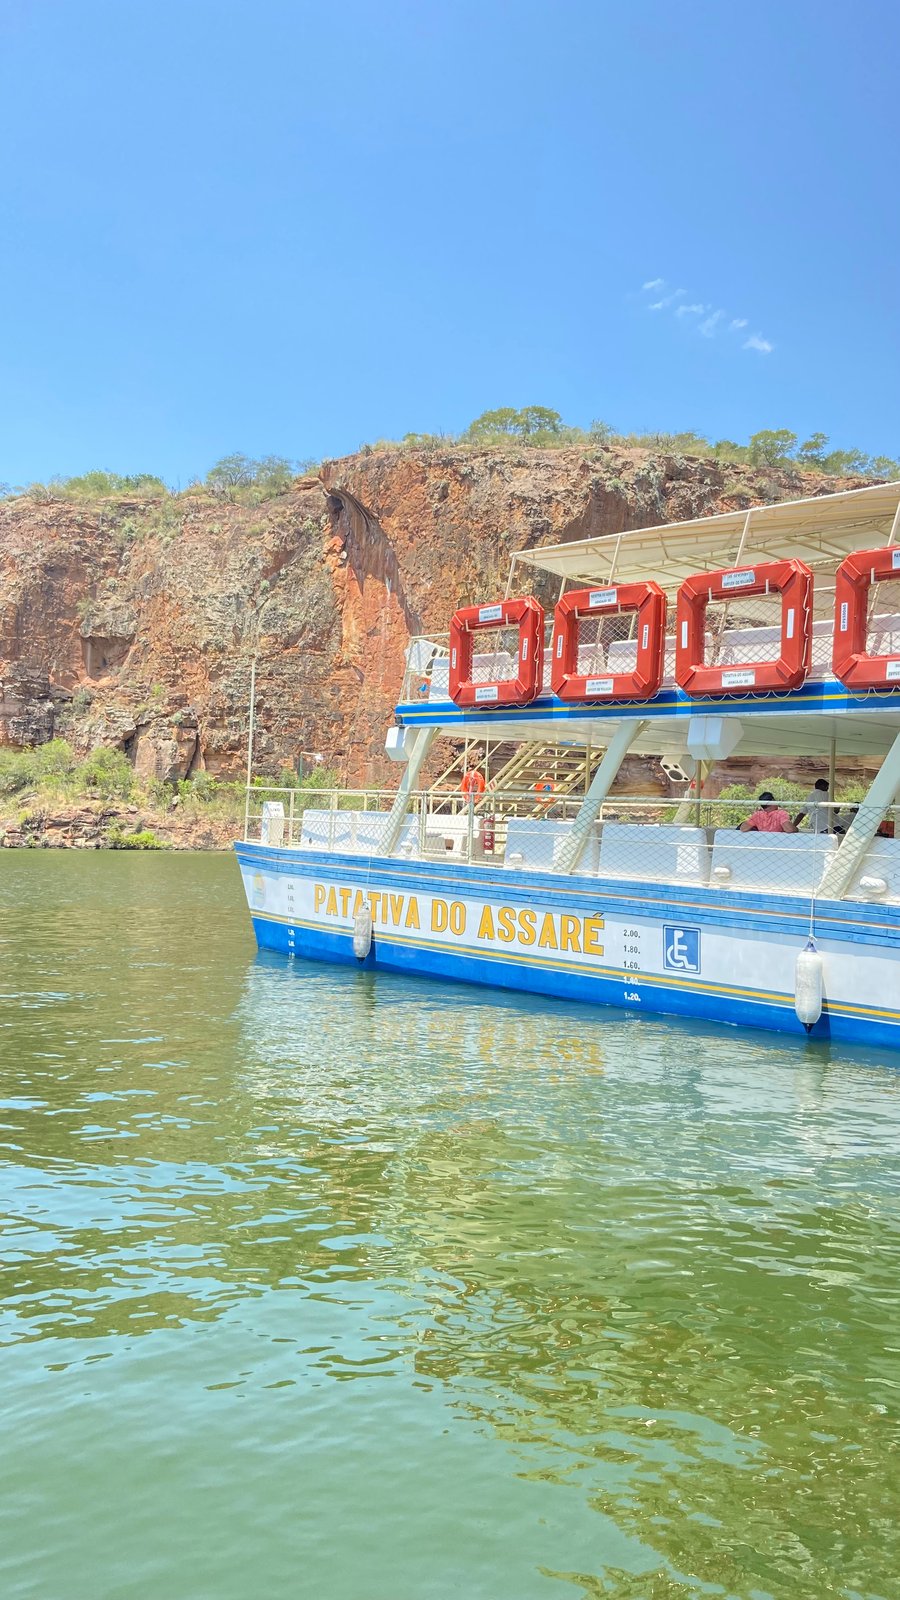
516,770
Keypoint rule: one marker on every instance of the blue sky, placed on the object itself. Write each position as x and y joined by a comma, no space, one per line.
289,228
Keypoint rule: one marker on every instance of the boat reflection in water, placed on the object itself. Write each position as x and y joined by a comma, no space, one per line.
646,1256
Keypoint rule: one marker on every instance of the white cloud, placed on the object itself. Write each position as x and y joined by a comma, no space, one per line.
710,327
661,305
709,323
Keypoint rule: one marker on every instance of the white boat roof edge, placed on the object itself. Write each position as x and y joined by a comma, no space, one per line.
819,529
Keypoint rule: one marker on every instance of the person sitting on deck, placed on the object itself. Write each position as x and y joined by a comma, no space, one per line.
815,808
844,818
769,817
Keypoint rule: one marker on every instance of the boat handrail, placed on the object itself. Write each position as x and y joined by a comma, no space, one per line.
636,838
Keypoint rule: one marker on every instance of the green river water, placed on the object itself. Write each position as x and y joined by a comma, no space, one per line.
324,1284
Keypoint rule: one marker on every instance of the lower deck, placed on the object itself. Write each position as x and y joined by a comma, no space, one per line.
687,845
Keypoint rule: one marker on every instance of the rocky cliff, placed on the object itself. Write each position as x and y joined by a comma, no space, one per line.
132,622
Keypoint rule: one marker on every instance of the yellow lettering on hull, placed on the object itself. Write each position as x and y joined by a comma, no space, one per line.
549,930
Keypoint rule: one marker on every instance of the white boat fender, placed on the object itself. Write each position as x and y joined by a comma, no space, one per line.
362,932
809,975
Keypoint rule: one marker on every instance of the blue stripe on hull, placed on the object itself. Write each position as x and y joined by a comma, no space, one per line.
323,945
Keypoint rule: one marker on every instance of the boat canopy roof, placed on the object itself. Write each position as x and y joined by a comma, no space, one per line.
821,531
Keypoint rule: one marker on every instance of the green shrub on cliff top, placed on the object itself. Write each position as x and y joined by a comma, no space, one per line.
250,481
540,427
97,485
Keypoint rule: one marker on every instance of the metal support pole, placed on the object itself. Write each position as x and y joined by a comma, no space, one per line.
698,803
250,747
603,780
832,764
390,839
849,856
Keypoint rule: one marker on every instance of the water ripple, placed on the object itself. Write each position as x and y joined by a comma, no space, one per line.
420,1291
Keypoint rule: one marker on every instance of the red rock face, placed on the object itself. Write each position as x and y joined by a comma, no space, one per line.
133,623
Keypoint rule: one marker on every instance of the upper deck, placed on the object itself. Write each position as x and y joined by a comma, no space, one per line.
821,532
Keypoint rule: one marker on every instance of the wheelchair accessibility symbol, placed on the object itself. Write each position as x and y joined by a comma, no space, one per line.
681,949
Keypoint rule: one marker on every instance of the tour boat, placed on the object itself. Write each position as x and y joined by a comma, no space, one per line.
772,633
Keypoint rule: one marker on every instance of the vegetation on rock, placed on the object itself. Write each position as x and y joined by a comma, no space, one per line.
118,838
251,481
540,427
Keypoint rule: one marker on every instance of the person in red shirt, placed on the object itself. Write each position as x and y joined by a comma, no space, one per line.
769,817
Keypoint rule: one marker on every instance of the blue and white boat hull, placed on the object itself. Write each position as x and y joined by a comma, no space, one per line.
723,956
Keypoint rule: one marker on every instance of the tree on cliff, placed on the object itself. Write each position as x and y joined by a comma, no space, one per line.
231,473
268,476
772,447
811,453
490,423
533,425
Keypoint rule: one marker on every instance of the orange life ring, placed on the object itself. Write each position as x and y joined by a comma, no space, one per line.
472,782
850,660
525,614
792,580
642,683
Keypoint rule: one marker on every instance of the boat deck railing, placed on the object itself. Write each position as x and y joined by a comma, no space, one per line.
737,632
635,840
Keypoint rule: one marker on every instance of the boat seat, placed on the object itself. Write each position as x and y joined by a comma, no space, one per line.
491,667
878,879
669,657
774,863
419,653
592,658
440,679
621,656
749,644
352,832
822,638
654,852
325,830
533,844
884,632
271,828
591,661
446,837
